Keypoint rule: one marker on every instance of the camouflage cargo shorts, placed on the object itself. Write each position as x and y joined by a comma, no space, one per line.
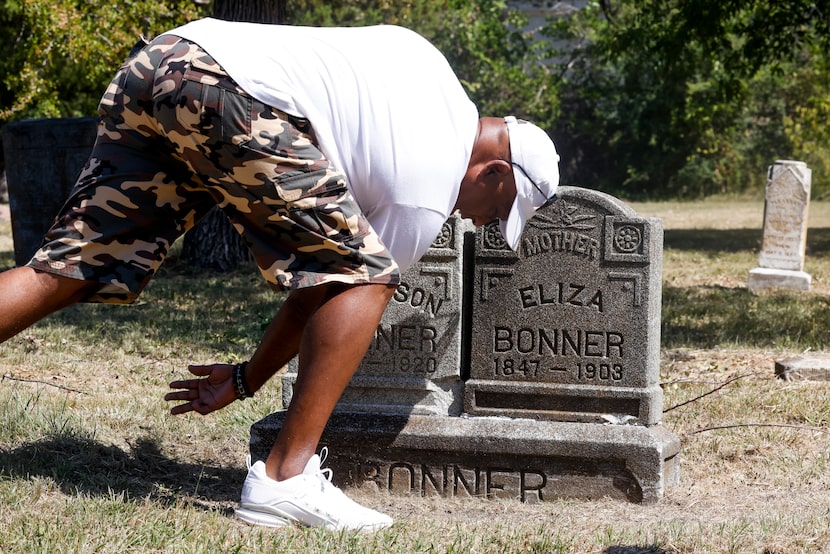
177,137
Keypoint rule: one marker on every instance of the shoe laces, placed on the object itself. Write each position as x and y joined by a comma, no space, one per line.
324,474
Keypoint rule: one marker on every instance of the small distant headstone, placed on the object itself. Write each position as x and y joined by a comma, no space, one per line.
413,363
787,201
804,368
568,328
43,159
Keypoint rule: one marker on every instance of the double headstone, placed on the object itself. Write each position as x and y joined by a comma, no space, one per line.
787,202
545,376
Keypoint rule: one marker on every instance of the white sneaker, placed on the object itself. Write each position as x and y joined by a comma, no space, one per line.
309,499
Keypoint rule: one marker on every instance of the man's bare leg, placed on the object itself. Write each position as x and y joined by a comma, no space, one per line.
27,296
333,342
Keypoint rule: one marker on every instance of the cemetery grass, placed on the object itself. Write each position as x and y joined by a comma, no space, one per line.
91,461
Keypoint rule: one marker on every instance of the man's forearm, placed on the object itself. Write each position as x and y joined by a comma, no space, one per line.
281,340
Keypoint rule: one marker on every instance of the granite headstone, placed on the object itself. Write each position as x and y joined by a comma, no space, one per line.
589,431
807,367
568,328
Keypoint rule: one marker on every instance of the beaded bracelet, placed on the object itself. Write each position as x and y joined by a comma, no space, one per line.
239,384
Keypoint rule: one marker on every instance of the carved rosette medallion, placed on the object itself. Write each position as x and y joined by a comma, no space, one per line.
444,239
628,238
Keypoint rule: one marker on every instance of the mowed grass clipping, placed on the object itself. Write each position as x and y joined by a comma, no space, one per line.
91,460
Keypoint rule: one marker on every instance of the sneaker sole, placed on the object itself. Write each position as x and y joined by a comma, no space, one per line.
255,517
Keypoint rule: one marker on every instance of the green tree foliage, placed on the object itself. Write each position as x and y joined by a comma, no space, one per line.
60,54
645,98
807,118
693,97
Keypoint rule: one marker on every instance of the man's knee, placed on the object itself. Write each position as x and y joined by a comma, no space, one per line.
307,299
60,289
27,295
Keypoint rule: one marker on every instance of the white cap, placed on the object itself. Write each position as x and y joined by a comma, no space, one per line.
534,160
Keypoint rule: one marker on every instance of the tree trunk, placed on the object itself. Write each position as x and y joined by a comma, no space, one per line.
214,243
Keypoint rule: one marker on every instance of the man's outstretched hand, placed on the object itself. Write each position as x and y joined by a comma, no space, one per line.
212,392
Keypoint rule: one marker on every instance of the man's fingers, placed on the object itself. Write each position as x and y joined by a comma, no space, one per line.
182,395
188,390
201,370
188,384
182,409
198,405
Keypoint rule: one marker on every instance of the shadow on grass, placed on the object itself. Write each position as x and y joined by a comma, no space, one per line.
818,242
707,317
84,466
713,240
738,240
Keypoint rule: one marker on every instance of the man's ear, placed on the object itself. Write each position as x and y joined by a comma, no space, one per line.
495,170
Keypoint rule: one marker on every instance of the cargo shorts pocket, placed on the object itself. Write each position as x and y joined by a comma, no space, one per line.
321,202
216,108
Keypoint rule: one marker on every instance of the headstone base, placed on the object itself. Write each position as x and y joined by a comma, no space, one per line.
392,395
808,368
564,402
764,278
492,457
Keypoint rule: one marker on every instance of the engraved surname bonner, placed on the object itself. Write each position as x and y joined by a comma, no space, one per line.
559,342
560,293
452,480
418,338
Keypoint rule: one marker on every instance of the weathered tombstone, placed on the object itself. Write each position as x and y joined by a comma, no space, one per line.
568,329
43,159
787,201
572,436
414,361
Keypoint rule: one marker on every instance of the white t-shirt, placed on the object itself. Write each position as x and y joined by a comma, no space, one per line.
385,105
